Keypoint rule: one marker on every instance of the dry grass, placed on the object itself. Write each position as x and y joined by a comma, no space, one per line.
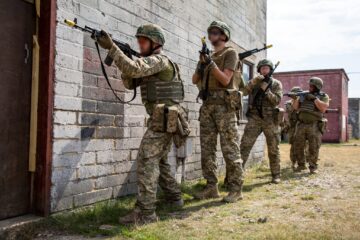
325,206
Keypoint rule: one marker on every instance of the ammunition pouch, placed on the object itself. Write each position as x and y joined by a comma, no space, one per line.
322,125
233,99
278,116
172,119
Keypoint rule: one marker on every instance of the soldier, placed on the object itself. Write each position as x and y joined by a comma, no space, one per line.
311,124
218,115
161,93
264,98
290,125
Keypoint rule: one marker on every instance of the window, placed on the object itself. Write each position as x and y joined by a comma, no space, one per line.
248,72
248,69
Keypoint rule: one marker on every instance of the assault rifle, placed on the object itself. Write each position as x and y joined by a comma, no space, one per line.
97,33
127,50
253,51
302,95
203,94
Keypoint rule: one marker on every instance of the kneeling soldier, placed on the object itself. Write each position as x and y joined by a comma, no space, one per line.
217,116
311,124
161,93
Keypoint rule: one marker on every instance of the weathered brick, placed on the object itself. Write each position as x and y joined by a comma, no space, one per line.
92,197
73,160
110,108
63,117
110,132
112,156
66,131
96,119
95,171
111,181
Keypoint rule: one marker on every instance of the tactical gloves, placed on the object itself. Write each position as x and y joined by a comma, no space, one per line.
105,40
205,59
257,80
310,97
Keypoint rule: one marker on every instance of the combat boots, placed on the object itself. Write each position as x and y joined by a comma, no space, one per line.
177,203
300,168
210,191
276,179
136,217
313,170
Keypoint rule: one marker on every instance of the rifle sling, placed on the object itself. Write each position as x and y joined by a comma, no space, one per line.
108,81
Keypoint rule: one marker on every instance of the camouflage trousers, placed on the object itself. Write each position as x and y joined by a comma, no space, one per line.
217,119
153,168
292,137
253,129
307,132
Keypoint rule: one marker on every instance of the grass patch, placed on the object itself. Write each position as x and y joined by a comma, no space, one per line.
308,197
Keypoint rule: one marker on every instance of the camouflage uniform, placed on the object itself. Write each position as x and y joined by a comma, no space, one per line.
267,123
155,75
309,128
218,117
290,129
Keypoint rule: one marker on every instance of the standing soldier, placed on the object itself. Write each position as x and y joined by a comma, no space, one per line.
161,93
290,125
265,95
217,114
311,124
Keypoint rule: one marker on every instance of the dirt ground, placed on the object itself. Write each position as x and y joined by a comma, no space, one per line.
303,206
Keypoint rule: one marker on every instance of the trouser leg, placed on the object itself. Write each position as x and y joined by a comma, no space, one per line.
299,144
229,140
208,142
167,181
314,140
153,147
251,133
271,133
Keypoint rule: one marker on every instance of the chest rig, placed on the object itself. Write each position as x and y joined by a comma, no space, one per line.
154,89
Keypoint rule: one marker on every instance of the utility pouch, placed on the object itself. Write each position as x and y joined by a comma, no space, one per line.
233,99
322,125
278,116
183,128
172,119
158,119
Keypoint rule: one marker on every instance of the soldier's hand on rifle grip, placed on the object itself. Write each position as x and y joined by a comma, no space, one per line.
257,80
310,97
293,96
205,59
104,40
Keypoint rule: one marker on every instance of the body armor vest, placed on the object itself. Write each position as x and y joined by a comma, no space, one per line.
155,90
308,112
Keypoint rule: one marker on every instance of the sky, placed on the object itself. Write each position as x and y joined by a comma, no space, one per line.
316,34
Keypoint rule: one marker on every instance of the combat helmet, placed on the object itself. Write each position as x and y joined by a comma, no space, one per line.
317,82
222,26
265,62
153,32
296,89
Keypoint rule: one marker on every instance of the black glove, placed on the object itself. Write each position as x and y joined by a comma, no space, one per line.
310,97
205,59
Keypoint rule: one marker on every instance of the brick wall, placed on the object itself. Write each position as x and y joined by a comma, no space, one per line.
96,138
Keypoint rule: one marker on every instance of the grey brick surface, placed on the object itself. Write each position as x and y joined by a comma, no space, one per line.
96,138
